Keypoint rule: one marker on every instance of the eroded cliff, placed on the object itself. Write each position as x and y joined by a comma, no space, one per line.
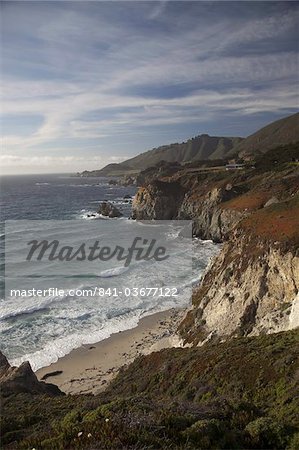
214,200
252,285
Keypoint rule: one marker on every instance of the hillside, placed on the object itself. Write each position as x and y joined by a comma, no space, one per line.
280,132
210,148
192,398
203,147
111,170
198,148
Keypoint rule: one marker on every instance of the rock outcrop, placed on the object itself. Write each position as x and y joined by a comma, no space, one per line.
159,200
210,219
14,380
170,200
128,180
109,210
252,285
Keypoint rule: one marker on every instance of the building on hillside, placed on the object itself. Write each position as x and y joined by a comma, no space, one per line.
235,166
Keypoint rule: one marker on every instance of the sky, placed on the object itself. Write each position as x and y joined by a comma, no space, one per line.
85,83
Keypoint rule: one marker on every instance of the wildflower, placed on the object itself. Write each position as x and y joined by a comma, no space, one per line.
106,420
89,435
80,433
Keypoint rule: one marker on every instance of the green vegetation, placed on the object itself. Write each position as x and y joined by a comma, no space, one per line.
239,394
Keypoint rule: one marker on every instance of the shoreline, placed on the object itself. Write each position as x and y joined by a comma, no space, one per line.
91,367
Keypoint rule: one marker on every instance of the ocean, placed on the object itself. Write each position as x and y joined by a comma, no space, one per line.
43,328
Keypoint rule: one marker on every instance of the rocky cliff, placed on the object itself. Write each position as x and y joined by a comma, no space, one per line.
210,219
251,286
158,200
214,200
170,200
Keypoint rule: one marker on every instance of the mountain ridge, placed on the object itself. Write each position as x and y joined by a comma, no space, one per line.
204,147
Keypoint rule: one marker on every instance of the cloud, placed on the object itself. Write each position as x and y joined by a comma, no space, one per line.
158,9
68,62
45,160
62,164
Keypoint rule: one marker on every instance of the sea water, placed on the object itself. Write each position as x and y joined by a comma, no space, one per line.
42,329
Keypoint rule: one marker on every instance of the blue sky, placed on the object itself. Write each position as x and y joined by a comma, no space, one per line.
89,83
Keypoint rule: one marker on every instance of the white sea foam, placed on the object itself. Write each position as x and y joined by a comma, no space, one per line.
44,329
89,215
16,306
60,347
113,272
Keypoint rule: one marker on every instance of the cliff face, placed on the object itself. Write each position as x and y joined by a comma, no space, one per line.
159,200
244,298
252,284
214,206
210,220
179,200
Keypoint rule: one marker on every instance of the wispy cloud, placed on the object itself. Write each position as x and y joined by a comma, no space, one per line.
97,74
158,9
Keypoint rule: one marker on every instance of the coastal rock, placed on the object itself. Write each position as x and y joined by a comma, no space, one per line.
210,219
162,200
159,200
215,201
4,364
23,379
109,210
128,180
251,286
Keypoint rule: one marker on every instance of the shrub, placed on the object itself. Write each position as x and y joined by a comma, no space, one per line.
267,433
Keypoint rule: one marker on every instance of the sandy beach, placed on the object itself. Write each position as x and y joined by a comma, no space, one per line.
90,368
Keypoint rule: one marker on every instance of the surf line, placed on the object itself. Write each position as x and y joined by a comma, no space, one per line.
138,251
